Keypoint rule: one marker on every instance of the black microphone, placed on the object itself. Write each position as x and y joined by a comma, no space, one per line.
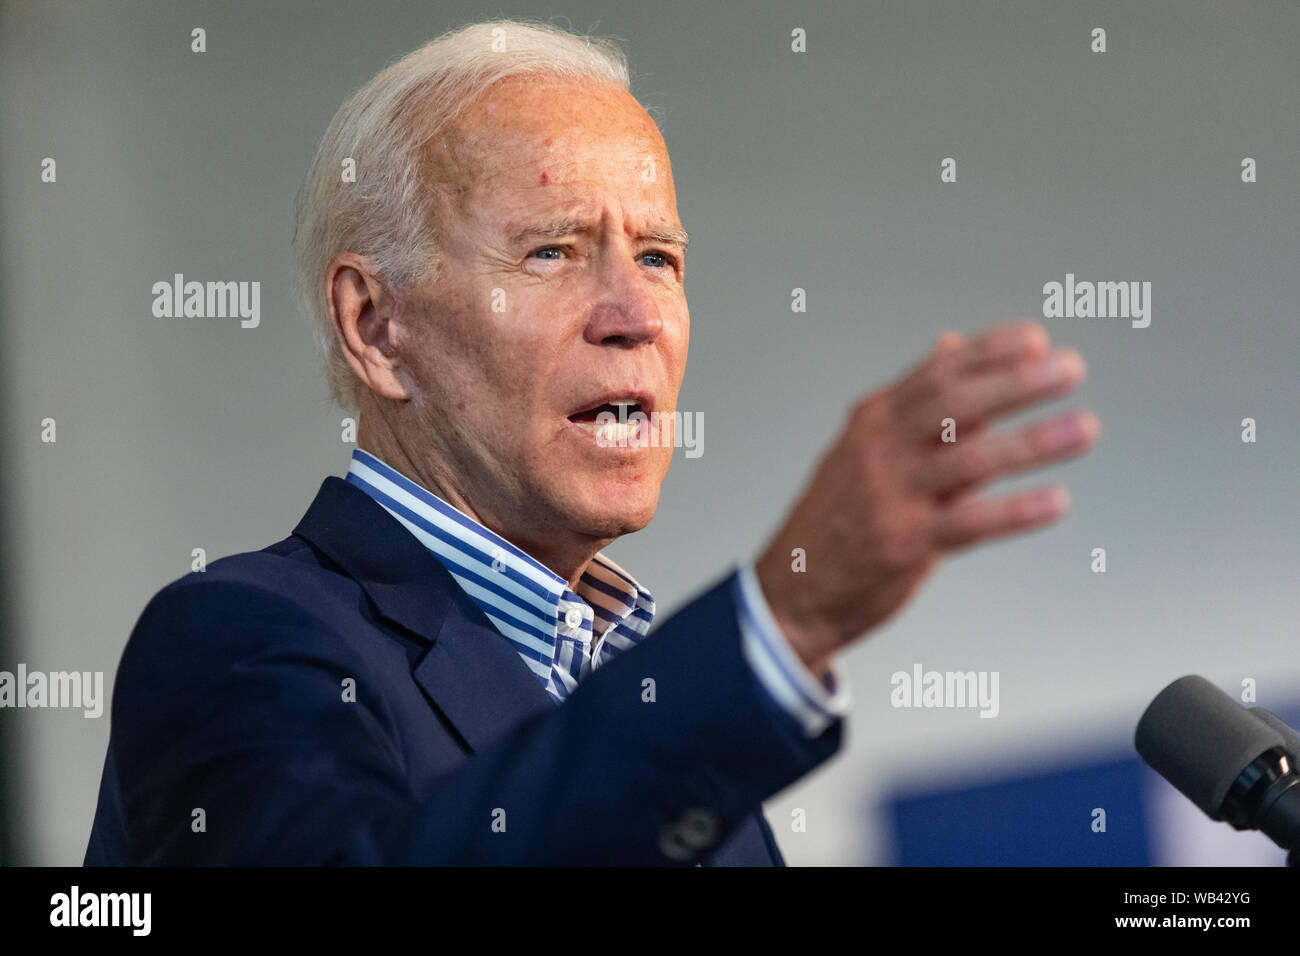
1237,765
1290,738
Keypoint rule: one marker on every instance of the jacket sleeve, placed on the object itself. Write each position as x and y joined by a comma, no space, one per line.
230,746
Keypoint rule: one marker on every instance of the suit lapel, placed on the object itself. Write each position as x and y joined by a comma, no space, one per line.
471,673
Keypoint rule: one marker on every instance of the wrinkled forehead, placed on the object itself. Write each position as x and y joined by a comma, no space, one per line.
527,131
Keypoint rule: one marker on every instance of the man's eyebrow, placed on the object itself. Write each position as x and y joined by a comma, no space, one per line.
671,235
559,228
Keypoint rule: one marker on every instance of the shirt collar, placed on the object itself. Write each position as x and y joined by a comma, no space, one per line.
525,600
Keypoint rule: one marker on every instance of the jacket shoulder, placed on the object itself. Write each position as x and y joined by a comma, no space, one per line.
289,572
241,605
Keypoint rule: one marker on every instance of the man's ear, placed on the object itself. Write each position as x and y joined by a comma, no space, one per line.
365,323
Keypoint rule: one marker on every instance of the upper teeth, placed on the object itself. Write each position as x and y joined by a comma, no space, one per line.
615,433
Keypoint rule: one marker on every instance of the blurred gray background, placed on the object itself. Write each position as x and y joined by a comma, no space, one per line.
817,170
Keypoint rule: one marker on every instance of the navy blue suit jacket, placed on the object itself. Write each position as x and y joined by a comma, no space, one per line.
230,700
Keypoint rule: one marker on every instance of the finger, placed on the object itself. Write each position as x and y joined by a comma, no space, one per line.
947,343
976,460
1004,343
949,340
921,407
1019,345
973,520
987,395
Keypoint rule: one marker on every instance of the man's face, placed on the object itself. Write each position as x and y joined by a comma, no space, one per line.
558,292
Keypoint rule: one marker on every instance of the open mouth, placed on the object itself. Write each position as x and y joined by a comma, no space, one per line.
618,422
621,411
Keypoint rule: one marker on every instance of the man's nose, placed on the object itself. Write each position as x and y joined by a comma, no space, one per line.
626,312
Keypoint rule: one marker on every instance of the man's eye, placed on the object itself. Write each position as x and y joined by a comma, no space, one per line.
554,253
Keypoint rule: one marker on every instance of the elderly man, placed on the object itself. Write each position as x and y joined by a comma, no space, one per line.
439,665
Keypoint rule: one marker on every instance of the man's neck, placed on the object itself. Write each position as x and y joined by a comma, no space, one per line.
568,559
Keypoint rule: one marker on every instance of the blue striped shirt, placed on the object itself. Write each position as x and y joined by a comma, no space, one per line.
563,633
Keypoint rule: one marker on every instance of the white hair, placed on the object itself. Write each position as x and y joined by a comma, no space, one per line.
386,214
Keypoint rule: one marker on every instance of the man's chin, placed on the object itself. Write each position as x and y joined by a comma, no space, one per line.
606,524
608,502
614,513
